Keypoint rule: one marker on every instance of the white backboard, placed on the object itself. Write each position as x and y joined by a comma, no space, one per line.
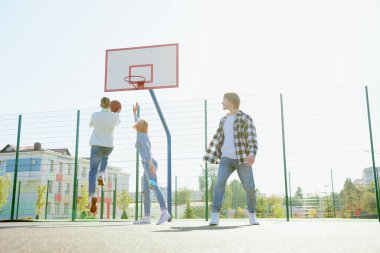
158,64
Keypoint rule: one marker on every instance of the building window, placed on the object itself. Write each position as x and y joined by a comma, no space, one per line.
59,187
84,172
51,166
60,167
49,208
68,187
66,209
50,187
69,169
57,209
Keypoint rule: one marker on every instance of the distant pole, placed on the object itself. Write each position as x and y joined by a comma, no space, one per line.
137,179
47,198
16,167
373,155
290,198
18,198
333,195
75,191
206,166
175,197
284,157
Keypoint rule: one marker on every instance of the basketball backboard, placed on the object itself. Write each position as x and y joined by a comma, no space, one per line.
157,64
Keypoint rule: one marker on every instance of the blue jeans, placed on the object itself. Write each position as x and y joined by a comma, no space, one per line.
99,157
226,167
146,186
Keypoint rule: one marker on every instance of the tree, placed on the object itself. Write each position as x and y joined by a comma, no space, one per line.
239,197
40,203
184,195
123,200
189,212
350,197
212,175
297,199
5,183
83,202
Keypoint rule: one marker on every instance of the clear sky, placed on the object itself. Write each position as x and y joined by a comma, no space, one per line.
52,53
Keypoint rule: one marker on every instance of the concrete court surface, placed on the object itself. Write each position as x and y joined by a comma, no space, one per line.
192,236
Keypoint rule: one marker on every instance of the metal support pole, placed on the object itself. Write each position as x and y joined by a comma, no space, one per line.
16,167
47,198
373,155
206,166
137,179
169,150
284,157
18,198
75,184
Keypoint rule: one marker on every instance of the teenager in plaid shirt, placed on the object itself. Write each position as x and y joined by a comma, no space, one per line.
234,147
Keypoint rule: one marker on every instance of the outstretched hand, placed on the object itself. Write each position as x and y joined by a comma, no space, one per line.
136,107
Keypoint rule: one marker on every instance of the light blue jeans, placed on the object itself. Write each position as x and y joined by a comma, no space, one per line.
147,186
99,157
226,167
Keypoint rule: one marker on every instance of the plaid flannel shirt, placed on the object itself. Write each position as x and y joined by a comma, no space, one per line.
244,135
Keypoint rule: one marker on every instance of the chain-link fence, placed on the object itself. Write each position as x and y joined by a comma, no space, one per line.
315,159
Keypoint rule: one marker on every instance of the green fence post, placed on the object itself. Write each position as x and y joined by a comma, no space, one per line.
141,204
332,190
284,157
16,167
102,203
373,155
290,197
47,198
18,198
75,184
137,179
206,165
175,195
114,200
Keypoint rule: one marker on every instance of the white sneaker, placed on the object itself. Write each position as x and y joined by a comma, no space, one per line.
145,220
214,219
164,217
101,178
252,219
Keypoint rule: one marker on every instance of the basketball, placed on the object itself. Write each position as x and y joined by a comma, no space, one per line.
115,106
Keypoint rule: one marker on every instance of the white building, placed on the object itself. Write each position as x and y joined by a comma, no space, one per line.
367,177
37,166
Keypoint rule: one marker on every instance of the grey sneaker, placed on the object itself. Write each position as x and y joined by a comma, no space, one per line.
214,221
101,179
253,219
164,217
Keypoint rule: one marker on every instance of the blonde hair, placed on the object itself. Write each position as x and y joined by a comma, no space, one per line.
141,126
105,102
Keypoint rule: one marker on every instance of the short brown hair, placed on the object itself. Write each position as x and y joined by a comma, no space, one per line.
233,98
141,126
105,102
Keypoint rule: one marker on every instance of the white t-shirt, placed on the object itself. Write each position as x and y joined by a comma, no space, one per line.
104,123
228,148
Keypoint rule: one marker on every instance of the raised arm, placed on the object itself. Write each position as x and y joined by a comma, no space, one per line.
135,109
